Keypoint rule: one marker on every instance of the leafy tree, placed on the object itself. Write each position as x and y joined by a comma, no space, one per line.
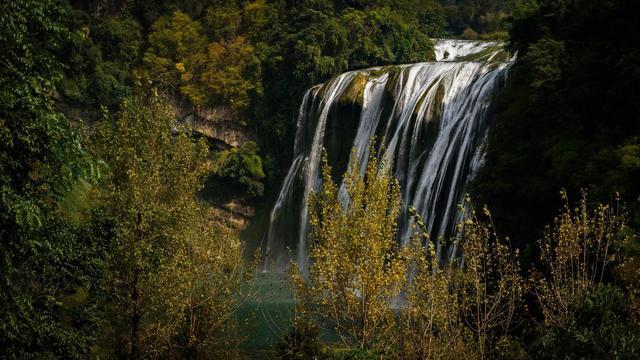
584,314
98,54
223,22
464,306
161,237
227,75
456,307
598,327
382,36
214,274
356,265
430,326
173,39
577,252
491,287
45,257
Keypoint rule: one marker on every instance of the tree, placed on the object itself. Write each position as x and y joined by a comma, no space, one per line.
45,258
463,306
173,39
584,313
430,325
164,253
214,274
576,253
357,267
227,74
491,287
242,165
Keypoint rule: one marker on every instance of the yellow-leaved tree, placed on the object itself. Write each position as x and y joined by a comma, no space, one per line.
357,267
226,74
577,251
461,307
172,41
430,325
489,284
172,277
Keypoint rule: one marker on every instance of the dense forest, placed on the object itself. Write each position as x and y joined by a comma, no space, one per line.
117,240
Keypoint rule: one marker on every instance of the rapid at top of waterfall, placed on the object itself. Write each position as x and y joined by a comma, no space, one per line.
470,50
431,120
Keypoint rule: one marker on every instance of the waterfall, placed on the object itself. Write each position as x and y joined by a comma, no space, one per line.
430,118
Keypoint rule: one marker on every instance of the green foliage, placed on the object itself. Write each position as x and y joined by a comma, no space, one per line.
161,236
242,165
45,257
223,22
568,116
173,39
584,316
223,72
483,16
598,328
302,342
254,58
81,260
98,54
228,74
382,36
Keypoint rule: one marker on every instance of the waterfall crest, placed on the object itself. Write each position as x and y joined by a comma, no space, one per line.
430,119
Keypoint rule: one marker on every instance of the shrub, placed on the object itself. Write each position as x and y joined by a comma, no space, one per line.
469,34
243,165
461,307
302,342
598,328
584,317
576,253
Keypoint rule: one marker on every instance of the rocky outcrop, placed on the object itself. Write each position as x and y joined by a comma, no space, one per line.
222,132
216,124
234,213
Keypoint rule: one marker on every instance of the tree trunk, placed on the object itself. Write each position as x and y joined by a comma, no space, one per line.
134,352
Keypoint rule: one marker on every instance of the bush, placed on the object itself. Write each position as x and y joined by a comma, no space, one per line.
598,328
244,166
302,342
469,34
577,252
462,307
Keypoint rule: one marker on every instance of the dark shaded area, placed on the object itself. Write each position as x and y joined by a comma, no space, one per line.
569,116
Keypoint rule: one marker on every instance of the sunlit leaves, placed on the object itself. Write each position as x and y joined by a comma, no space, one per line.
357,268
169,265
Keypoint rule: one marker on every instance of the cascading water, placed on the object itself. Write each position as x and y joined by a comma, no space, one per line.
431,119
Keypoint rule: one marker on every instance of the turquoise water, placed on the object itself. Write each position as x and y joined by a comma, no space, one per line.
265,318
